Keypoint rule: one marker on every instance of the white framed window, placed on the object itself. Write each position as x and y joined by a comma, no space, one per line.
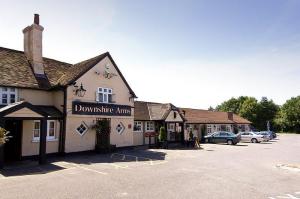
150,126
104,95
209,129
228,128
171,126
82,129
51,130
36,130
138,126
218,127
8,95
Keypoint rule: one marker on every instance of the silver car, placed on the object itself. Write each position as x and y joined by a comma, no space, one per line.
251,137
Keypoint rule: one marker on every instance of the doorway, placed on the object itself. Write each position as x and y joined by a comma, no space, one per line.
13,147
103,133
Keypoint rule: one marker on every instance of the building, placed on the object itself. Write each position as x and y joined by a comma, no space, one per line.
202,122
50,106
150,116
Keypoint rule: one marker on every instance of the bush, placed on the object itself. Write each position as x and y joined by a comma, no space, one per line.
3,136
162,134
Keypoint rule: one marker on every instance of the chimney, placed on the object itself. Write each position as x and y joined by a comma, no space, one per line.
33,36
230,115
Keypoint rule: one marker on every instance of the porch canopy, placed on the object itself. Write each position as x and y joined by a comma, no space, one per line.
26,111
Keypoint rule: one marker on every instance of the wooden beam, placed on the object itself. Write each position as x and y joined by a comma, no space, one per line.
43,140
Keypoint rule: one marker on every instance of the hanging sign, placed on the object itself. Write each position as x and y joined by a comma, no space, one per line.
87,108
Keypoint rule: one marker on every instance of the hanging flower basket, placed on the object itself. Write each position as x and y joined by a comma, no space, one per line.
3,136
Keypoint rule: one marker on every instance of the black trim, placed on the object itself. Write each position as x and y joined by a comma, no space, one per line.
20,106
64,127
43,140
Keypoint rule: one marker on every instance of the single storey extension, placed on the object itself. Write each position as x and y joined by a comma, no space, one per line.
203,122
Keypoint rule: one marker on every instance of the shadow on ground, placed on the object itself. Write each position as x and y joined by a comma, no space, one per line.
28,168
56,163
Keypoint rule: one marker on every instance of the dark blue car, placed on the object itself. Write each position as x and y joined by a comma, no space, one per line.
223,137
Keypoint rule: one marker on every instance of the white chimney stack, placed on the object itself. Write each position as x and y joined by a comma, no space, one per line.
33,47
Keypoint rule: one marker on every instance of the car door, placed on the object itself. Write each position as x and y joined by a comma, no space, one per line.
223,137
245,137
216,137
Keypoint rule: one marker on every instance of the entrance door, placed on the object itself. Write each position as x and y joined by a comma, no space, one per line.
103,134
13,147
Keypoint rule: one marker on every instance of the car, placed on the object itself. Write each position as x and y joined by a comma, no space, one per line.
274,135
266,135
223,137
252,137
271,133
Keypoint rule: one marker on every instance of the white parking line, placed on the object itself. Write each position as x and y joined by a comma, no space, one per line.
286,196
84,168
148,161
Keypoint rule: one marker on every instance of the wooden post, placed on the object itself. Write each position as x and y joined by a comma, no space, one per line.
43,137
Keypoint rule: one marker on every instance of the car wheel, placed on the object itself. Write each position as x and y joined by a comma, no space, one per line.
229,142
254,140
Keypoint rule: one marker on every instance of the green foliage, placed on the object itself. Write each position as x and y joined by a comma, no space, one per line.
232,105
288,118
256,112
162,134
102,126
3,136
191,135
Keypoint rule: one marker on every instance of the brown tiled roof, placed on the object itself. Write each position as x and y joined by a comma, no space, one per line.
15,70
210,117
151,110
141,111
240,120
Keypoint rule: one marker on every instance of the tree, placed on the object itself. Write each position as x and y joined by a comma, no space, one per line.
232,105
289,116
162,134
249,110
267,112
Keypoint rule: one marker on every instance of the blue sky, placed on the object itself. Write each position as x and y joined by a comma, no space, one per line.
191,53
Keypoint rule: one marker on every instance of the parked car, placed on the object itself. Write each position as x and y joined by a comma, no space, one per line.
223,137
266,135
274,135
252,137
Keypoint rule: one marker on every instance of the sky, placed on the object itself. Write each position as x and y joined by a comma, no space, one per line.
192,53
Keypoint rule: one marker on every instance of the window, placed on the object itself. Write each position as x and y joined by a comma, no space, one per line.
218,128
228,128
82,129
8,95
137,127
120,128
209,131
149,126
51,130
171,126
36,130
104,95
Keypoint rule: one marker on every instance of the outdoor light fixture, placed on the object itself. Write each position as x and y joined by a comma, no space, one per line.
79,91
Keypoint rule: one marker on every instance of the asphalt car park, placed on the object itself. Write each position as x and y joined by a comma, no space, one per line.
246,170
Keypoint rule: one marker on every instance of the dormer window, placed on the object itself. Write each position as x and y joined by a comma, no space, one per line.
104,95
8,95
